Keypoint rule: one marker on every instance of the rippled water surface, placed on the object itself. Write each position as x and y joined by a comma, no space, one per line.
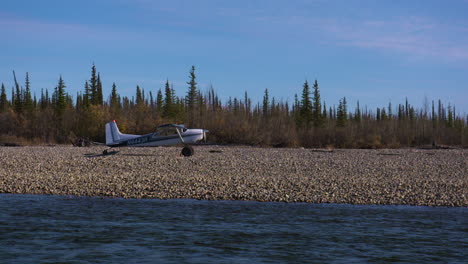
58,229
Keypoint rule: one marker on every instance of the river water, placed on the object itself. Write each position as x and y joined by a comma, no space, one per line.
60,229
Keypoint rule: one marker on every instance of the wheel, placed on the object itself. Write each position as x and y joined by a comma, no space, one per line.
105,152
187,151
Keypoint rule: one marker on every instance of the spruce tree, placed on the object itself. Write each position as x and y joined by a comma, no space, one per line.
440,111
159,102
306,105
450,117
139,96
18,103
412,114
357,114
247,102
79,101
273,106
60,97
93,87
316,107
296,104
85,96
406,108
390,114
13,96
383,114
114,101
28,102
152,104
3,99
99,96
324,113
401,112
191,99
168,109
266,102
342,115
345,108
47,98
201,105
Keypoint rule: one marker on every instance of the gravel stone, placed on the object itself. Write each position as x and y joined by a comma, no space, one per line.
388,176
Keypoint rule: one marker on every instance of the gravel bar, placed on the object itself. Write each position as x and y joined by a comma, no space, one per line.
387,176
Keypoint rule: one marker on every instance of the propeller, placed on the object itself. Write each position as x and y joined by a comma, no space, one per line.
204,134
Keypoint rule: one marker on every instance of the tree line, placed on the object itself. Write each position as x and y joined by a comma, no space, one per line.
58,117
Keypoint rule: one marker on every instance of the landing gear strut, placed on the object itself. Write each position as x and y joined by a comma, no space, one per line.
187,151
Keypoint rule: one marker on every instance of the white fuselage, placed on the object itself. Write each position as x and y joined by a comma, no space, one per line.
165,135
189,136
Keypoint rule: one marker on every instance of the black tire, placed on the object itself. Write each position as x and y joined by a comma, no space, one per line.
188,151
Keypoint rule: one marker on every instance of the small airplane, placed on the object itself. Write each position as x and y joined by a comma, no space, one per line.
165,135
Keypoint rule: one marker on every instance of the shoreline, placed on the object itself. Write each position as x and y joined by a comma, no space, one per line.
420,177
189,200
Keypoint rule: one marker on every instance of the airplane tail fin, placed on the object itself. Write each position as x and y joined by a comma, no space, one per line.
112,133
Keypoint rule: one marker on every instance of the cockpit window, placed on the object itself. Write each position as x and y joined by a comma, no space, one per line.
166,131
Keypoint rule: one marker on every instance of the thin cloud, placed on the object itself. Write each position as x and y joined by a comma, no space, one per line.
414,36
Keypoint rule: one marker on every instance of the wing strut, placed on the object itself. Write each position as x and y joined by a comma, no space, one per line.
180,136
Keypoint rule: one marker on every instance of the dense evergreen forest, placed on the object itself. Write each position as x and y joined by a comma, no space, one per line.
59,117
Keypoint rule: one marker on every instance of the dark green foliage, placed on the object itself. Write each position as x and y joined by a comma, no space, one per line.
247,103
342,114
317,118
159,102
139,96
412,114
324,113
383,114
306,106
390,115
28,102
60,97
450,119
309,123
191,99
87,95
99,96
401,112
169,107
45,100
18,103
3,99
93,87
266,104
114,101
13,96
357,114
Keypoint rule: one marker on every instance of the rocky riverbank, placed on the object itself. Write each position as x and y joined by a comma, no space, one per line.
402,176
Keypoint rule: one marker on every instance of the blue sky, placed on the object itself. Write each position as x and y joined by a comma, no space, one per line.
368,50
